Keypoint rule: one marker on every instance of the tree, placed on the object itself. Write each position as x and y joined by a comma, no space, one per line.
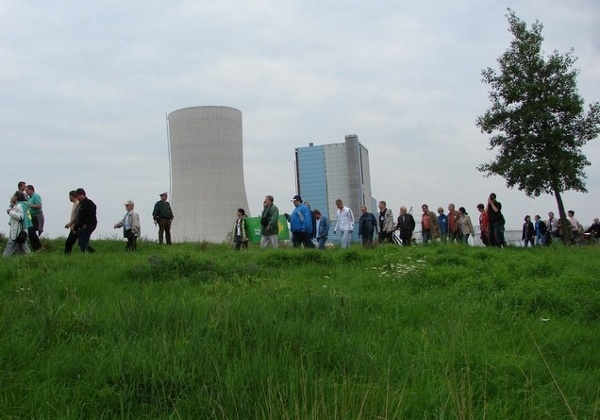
537,119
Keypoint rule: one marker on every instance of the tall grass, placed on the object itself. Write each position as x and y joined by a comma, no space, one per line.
202,331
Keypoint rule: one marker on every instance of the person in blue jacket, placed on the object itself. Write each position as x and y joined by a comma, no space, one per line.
322,228
301,224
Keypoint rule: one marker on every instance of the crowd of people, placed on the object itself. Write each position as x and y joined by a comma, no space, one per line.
309,228
26,222
454,226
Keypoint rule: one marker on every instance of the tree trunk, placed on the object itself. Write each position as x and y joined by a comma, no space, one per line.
565,225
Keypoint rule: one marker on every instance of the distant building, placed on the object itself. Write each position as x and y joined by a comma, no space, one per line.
331,171
207,172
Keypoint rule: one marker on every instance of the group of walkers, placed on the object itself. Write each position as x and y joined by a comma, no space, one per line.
455,226
26,222
307,225
309,228
540,232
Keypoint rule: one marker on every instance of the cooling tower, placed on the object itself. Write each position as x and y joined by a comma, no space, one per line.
207,172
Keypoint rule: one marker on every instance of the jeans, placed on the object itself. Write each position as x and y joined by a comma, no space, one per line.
321,242
83,236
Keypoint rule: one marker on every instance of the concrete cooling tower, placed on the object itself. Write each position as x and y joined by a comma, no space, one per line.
207,172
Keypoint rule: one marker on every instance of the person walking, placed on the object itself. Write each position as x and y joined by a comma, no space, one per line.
322,228
367,227
86,221
484,225
163,217
37,218
496,221
344,223
72,238
131,226
443,224
300,224
465,226
406,226
429,225
18,223
269,223
386,223
528,231
540,230
240,237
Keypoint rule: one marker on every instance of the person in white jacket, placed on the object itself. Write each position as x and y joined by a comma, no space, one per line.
131,226
344,223
17,222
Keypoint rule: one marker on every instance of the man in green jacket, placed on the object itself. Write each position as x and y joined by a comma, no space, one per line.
269,225
163,217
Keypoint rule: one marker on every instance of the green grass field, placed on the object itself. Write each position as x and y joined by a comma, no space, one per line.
200,331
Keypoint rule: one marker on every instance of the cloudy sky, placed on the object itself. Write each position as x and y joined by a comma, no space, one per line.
85,87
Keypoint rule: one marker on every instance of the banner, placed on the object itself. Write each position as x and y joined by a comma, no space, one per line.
253,226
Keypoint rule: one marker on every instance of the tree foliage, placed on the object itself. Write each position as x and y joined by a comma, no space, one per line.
537,117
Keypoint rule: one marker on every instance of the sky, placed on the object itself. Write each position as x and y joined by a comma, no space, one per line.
85,87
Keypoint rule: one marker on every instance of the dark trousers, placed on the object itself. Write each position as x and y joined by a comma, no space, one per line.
302,238
321,242
367,240
164,227
131,241
71,239
83,236
497,234
32,233
406,237
239,243
385,237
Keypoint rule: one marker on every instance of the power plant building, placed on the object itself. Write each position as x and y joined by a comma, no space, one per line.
331,171
207,172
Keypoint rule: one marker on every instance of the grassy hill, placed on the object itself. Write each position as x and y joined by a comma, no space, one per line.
202,331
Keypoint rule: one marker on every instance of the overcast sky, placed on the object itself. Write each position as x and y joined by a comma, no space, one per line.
86,86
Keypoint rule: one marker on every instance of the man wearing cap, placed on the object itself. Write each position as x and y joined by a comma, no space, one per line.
269,223
163,217
301,224
131,226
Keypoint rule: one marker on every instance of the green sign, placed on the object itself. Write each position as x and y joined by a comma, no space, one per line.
253,227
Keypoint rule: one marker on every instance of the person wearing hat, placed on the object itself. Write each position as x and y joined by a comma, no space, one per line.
163,217
131,226
301,224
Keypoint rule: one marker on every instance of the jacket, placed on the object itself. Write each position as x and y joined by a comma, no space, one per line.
301,219
270,215
386,221
434,228
323,224
406,222
18,220
134,221
243,234
367,225
466,226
